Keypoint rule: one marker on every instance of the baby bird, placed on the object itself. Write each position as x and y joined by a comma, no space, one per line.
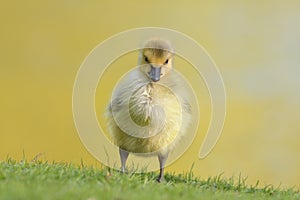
149,111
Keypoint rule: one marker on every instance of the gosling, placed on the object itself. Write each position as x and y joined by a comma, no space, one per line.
149,111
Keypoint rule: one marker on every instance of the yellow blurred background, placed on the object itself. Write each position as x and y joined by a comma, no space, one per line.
256,45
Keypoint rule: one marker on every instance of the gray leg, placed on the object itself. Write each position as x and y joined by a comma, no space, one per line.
123,155
162,161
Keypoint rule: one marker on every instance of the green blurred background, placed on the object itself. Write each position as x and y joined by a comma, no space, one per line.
256,45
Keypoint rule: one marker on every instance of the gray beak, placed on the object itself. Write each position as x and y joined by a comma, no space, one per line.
155,73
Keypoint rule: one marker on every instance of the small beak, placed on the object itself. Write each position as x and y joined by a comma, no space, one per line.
155,73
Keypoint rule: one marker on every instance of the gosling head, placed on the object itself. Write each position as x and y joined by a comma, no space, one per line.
156,59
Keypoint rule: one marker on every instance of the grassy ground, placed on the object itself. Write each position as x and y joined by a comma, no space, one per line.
42,180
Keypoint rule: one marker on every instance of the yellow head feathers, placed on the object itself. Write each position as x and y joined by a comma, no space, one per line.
156,59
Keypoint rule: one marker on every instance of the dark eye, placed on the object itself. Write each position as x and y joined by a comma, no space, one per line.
166,62
146,59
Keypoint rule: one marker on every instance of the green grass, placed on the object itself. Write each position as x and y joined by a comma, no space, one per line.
43,180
